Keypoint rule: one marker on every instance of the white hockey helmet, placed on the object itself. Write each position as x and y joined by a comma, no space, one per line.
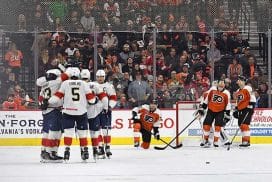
100,73
54,71
85,74
74,72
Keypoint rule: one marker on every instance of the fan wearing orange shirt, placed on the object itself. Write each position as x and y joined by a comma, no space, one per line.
245,100
10,103
218,104
146,118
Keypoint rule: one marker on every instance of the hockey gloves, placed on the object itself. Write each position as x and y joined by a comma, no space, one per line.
226,116
44,104
201,109
156,133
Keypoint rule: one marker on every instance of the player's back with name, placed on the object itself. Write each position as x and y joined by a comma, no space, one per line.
75,96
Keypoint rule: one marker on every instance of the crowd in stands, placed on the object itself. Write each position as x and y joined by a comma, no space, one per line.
183,57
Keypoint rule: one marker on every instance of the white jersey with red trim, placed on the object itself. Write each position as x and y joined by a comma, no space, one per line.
94,110
106,90
48,89
76,94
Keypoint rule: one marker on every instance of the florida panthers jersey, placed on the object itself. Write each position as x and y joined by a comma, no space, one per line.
48,89
106,90
95,109
76,95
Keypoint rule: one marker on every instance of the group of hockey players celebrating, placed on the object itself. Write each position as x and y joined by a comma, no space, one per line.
73,105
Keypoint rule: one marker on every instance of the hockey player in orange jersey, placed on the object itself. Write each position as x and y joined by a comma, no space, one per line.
245,100
146,118
218,104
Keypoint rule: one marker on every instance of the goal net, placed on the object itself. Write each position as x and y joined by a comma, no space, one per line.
185,114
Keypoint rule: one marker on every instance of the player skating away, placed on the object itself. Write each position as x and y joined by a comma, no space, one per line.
146,118
223,135
107,100
76,96
52,127
218,104
245,100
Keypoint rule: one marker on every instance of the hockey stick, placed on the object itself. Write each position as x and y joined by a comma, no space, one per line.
237,130
179,145
173,147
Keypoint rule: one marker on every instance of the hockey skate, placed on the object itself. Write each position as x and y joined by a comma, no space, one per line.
55,158
136,144
108,152
244,144
101,152
207,144
95,153
66,154
84,154
215,144
44,156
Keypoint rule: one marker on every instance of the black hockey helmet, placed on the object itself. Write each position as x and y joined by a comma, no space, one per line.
242,78
154,101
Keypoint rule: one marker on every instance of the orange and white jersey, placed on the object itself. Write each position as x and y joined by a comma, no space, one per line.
244,97
147,118
205,94
76,95
106,90
218,101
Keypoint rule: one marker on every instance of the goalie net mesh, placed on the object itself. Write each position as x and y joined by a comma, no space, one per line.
185,111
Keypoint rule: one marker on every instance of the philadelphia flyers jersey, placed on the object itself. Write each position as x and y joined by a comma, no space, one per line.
218,101
149,119
244,97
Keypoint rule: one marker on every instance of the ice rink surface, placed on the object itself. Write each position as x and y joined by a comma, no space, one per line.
189,163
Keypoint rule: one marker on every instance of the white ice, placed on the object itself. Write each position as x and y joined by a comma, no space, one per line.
189,163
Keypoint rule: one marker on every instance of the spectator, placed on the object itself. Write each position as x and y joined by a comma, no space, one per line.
71,49
172,59
261,99
122,102
234,70
87,21
126,53
14,58
10,104
21,23
138,91
110,41
128,67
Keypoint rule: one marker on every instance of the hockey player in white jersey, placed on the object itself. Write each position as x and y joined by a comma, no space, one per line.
52,127
76,96
93,110
101,123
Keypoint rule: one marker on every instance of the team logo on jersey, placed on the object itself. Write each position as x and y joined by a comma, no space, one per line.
217,98
148,118
240,97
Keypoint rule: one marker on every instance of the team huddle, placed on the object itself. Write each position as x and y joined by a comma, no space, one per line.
72,104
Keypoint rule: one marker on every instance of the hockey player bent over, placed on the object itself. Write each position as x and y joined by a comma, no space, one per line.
244,110
76,96
218,103
52,127
146,118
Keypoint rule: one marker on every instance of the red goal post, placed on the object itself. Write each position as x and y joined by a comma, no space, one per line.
185,111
